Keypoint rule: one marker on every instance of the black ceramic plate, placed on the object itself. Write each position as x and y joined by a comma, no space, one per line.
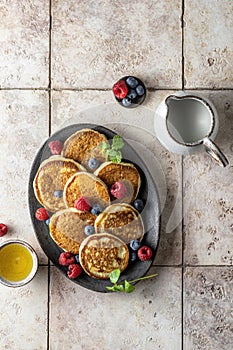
150,214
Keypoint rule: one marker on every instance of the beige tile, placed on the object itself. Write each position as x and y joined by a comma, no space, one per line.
24,43
23,129
94,44
208,195
136,126
208,45
149,318
24,315
208,308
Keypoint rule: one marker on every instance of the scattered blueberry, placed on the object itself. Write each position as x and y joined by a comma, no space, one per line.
133,256
132,94
89,230
96,209
140,90
135,244
93,163
77,258
138,204
58,193
47,222
126,102
132,82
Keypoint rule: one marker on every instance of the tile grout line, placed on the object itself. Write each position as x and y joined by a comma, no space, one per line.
151,89
49,132
182,188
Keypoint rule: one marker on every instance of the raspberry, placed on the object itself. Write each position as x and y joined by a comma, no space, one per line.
74,270
120,89
66,259
3,229
42,214
55,147
144,253
82,204
118,190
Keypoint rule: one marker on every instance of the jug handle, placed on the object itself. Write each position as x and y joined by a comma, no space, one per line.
214,151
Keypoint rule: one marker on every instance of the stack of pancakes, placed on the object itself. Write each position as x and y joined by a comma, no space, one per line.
61,180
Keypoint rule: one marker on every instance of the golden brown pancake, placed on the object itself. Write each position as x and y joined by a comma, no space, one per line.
67,228
122,221
100,254
86,185
52,176
110,173
84,145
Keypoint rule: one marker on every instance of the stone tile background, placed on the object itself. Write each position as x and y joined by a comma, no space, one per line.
58,61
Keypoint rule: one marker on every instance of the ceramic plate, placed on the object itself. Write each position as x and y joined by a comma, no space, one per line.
150,214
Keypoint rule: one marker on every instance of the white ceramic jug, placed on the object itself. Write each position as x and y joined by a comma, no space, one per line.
186,123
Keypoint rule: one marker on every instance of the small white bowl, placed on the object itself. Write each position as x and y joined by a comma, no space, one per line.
34,264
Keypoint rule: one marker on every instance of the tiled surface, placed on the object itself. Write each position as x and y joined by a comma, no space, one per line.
208,49
89,46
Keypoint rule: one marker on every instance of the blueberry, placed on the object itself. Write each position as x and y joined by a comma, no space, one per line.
135,244
138,204
96,209
58,193
133,256
126,102
140,90
47,222
132,82
77,258
132,94
93,163
89,230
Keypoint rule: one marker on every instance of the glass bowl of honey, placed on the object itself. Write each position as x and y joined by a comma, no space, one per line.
18,263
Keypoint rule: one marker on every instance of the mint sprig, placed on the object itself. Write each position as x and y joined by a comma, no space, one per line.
113,152
127,286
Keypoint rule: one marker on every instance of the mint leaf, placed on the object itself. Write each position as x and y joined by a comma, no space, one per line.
117,142
116,288
114,275
116,158
129,288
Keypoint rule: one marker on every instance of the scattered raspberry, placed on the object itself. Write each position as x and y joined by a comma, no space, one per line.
118,190
74,270
42,214
66,259
120,89
55,147
82,204
144,253
3,229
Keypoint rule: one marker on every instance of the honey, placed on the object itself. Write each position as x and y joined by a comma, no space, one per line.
16,262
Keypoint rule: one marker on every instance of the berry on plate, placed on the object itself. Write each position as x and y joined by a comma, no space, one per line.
3,230
55,147
144,253
74,270
118,190
135,244
93,163
120,89
96,209
66,258
82,204
58,193
42,214
138,204
89,230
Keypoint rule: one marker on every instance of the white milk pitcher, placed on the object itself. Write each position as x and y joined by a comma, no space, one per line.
185,124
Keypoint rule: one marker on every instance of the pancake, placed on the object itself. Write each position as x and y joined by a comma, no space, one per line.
100,254
86,185
84,145
52,176
110,173
122,221
67,228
